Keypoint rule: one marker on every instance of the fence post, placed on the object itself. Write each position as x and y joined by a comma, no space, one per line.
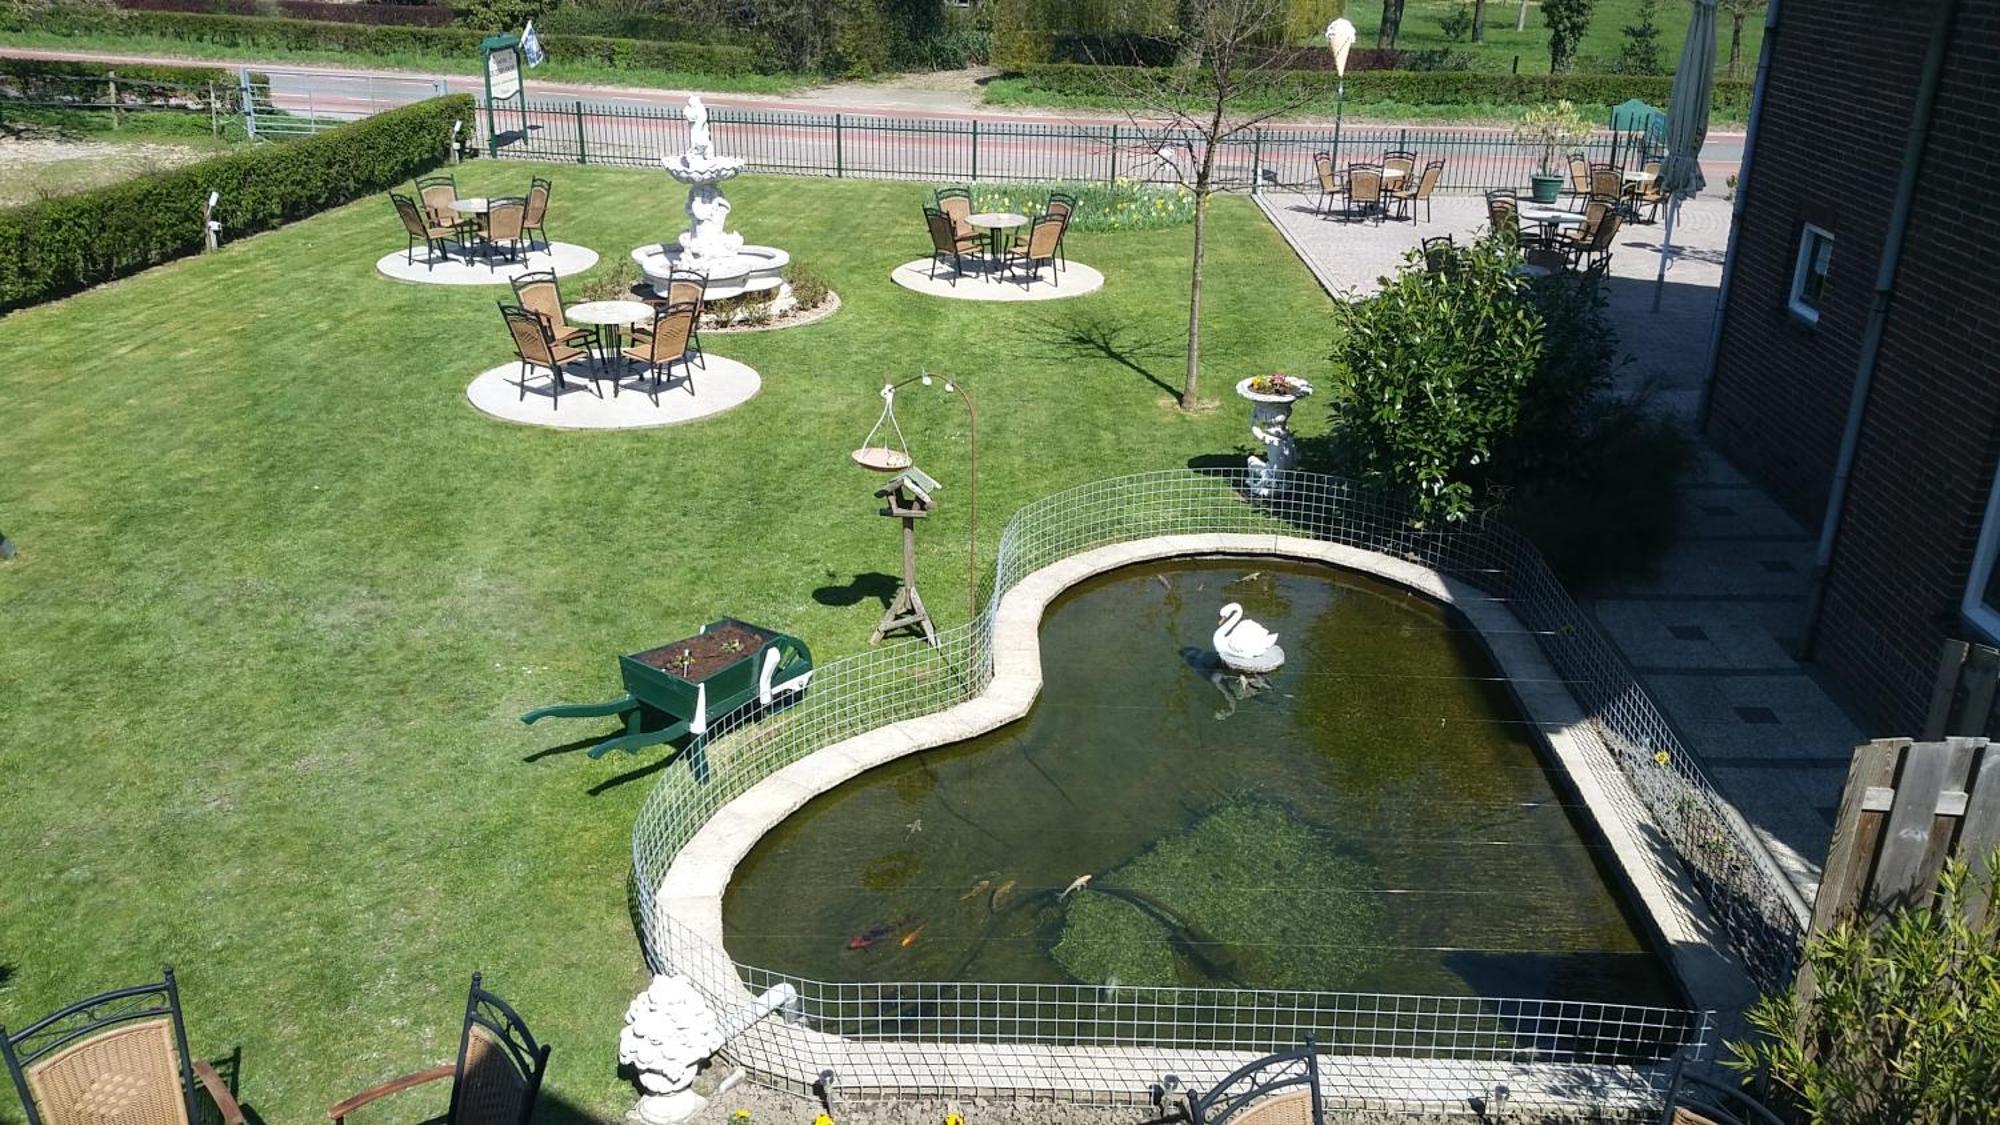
1114,152
1256,160
249,102
839,147
582,150
214,112
975,150
117,119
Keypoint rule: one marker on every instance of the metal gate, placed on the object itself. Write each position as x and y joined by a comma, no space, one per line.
278,104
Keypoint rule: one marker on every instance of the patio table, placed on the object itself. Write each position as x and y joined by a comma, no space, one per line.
1551,219
475,209
607,317
995,223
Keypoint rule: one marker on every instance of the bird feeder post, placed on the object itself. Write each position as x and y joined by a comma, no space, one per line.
910,497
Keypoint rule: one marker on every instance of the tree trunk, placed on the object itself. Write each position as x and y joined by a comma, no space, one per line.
1204,180
1521,21
1392,24
1187,14
1736,44
1479,21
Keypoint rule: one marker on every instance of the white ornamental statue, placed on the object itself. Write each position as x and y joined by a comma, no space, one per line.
669,1030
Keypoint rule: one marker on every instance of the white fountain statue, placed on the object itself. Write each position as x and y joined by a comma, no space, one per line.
708,246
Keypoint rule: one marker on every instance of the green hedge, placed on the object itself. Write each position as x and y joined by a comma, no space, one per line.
35,73
320,35
61,245
1411,87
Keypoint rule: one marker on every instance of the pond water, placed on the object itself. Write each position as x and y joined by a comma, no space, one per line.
1375,816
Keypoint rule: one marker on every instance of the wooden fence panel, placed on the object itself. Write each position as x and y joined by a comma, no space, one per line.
1907,808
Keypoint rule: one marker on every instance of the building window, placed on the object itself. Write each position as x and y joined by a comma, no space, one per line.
1982,587
1809,273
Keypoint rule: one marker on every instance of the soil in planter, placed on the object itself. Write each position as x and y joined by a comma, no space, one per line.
706,654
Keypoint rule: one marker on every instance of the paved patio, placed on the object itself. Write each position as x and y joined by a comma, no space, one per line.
1711,634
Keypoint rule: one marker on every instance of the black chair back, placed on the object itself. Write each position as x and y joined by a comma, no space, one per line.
1257,1080
95,1016
500,1065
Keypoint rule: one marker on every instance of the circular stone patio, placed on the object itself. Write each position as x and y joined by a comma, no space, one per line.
563,257
586,405
1075,280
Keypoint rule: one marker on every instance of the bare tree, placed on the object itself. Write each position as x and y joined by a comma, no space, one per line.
1192,114
1737,10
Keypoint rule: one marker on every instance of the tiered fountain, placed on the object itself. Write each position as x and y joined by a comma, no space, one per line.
732,267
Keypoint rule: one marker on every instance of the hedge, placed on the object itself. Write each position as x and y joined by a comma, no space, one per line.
34,77
1410,87
253,32
71,242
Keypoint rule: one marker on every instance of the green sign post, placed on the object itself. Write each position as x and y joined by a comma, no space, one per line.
501,59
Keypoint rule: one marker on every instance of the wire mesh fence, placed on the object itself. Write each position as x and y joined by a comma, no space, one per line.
970,149
1735,875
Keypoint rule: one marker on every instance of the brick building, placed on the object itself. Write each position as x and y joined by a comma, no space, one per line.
1867,400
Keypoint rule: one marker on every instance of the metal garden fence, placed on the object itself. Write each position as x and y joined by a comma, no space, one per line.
970,149
1154,1029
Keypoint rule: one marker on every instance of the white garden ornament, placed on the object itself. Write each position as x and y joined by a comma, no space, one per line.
669,1031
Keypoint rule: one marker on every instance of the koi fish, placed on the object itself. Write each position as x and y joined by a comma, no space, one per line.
910,938
869,937
1076,884
976,888
1000,893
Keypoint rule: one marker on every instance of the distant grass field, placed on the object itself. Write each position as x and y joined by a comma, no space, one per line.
1420,31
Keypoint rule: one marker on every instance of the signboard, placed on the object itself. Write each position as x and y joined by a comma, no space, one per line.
502,68
503,75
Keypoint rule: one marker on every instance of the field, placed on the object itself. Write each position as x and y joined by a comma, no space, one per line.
282,594
1420,31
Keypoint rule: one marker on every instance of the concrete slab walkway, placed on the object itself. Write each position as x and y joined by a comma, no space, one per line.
1710,635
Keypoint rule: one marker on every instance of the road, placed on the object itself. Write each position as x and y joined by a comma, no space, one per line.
896,131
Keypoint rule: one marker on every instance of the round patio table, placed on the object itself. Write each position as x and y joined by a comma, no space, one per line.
1552,219
474,208
1640,176
607,317
995,223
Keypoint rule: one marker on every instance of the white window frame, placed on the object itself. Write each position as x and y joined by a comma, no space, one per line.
1973,605
1810,237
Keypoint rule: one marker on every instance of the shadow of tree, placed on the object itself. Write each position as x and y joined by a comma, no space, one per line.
1082,336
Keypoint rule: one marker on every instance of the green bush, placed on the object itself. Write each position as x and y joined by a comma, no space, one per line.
1022,36
253,32
71,242
1903,1024
36,78
809,286
1610,507
1409,87
1125,205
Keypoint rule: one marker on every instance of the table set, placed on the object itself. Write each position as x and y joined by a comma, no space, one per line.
606,318
996,224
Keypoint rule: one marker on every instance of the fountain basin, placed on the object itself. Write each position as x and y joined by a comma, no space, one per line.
752,269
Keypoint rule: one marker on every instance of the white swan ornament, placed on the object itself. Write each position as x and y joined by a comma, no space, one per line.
1244,645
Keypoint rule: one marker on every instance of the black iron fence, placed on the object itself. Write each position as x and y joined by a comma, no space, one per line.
966,149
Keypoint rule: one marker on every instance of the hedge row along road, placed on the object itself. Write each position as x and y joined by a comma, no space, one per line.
337,90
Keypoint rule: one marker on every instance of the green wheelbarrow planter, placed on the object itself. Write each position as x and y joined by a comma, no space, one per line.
678,689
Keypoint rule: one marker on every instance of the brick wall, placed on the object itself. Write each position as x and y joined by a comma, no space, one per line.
1829,152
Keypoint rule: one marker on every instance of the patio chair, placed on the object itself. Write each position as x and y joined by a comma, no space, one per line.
666,343
535,344
1064,204
438,194
1594,212
684,286
1041,244
946,242
1364,190
498,1074
505,221
1607,180
1547,258
1594,255
1398,160
1280,1089
1579,174
418,226
538,292
956,203
537,211
1330,187
1503,212
1648,194
118,1057
1407,195
1439,253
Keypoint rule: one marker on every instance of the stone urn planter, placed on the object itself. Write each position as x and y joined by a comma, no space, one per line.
1271,398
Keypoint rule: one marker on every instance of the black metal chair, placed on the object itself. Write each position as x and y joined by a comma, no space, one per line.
498,1075
119,1056
536,346
946,242
535,216
1259,1093
956,203
1438,253
1691,1099
1064,204
418,226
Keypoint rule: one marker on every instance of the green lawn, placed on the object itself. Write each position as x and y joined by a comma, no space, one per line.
555,70
282,594
1420,31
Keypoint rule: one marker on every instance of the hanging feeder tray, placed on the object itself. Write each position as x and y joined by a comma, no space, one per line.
882,459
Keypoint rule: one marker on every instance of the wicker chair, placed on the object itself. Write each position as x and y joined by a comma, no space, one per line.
1062,204
536,346
1041,244
669,341
1647,194
956,203
418,226
538,292
1503,212
120,1058
683,287
506,223
1398,160
537,211
1261,1093
497,1077
438,194
1364,190
1594,254
1439,253
946,242
1594,212
1607,180
1579,174
1330,187
1408,194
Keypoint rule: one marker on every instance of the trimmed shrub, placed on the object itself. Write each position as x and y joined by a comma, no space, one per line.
67,243
1021,36
572,19
809,286
38,80
405,15
254,32
1412,87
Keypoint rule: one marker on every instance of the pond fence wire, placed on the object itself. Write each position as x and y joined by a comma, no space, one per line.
1097,1039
